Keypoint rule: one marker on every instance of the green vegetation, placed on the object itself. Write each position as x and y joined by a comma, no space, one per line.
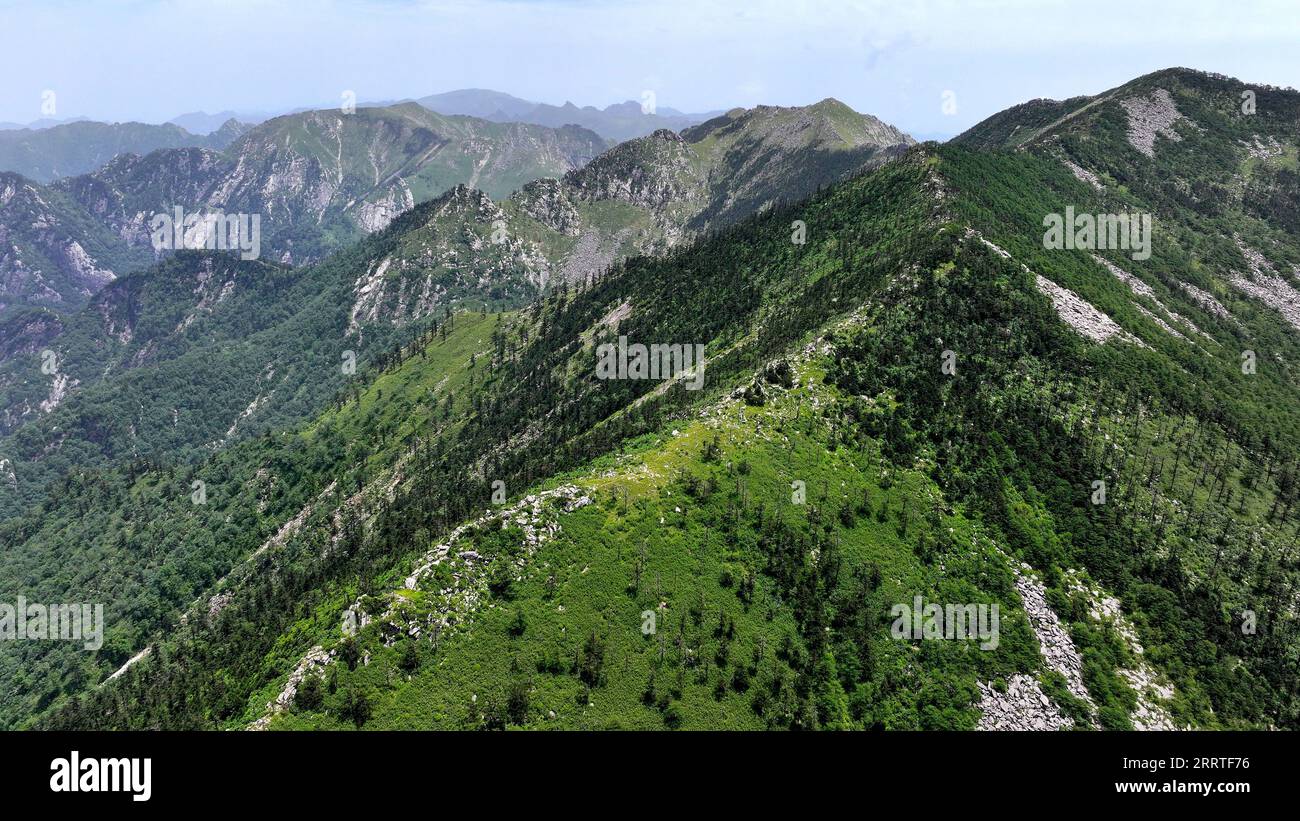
728,558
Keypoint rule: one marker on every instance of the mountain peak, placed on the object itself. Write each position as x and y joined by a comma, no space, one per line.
1184,73
667,135
831,104
1171,95
828,121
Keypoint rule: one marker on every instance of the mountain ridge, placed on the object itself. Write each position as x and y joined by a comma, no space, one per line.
78,147
907,394
617,121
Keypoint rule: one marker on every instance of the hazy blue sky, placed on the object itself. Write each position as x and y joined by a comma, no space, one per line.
154,59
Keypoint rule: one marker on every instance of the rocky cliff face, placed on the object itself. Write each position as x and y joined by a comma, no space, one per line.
547,202
640,197
130,189
28,332
463,246
653,172
320,179
52,253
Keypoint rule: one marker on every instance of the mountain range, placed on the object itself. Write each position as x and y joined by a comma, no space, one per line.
389,486
320,180
43,122
460,247
68,149
317,180
201,122
617,122
67,152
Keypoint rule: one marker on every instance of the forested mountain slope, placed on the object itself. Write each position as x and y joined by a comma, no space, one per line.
186,318
351,472
173,362
1127,613
920,399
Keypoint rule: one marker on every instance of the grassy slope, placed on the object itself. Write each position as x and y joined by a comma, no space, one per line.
691,572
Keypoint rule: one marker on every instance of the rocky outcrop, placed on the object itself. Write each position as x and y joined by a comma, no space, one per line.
526,514
1152,691
1021,705
1262,149
28,333
1164,326
312,664
536,517
1079,314
1073,309
59,388
1264,284
593,254
131,662
1054,642
377,214
652,172
1151,116
1083,175
1206,300
1140,288
545,201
